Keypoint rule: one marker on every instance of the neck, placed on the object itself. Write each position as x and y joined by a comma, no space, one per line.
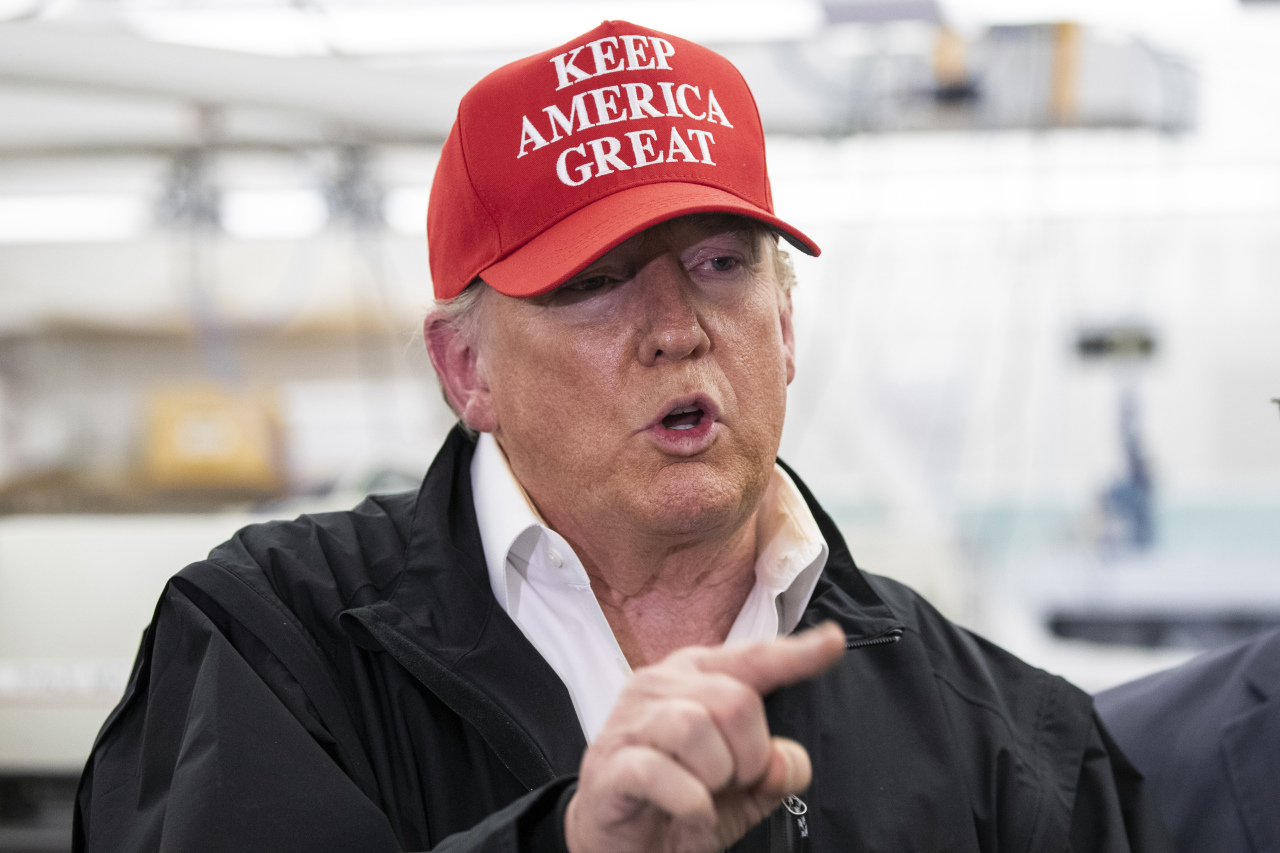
660,596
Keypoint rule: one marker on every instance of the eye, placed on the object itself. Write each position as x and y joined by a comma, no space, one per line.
583,288
587,285
719,266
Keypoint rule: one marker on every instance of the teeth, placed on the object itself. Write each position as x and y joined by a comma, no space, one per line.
678,412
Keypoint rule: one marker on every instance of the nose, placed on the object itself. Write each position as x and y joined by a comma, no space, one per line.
673,329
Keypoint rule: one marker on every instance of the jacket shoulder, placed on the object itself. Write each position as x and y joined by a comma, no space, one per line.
1178,726
1215,684
314,566
979,670
1024,730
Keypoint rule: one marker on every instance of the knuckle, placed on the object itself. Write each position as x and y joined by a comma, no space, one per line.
662,677
645,686
735,703
689,719
635,770
642,681
673,726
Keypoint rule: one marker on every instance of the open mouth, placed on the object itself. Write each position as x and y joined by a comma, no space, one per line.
688,426
684,417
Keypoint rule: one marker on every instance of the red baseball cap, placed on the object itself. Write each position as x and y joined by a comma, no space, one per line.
556,158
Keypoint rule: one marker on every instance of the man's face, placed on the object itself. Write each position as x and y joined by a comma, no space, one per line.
647,394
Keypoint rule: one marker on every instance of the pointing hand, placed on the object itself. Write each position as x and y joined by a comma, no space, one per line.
685,761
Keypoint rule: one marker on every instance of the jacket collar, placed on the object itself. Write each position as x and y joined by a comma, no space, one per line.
843,593
1249,744
442,623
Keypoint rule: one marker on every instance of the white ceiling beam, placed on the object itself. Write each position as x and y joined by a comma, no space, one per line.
354,99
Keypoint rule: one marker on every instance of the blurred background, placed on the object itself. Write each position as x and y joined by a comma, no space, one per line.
1038,359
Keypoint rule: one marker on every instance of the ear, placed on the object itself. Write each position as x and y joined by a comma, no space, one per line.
456,358
788,335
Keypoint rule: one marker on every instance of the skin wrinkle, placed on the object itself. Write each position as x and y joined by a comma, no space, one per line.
568,382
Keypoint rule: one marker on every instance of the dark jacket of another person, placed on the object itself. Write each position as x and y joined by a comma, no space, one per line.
1207,737
348,682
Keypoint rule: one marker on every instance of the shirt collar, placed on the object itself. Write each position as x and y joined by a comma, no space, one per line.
791,551
503,510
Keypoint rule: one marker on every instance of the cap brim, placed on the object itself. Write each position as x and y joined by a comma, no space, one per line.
555,255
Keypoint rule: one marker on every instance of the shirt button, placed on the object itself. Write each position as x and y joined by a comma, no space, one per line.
554,557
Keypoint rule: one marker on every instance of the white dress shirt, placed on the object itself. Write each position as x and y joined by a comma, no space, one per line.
541,584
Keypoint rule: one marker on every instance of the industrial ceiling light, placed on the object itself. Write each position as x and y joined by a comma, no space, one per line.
279,214
72,218
405,210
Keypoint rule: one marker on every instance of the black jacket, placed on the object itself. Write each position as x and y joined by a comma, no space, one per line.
347,682
1207,736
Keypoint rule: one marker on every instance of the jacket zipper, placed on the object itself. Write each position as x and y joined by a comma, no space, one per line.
790,830
893,635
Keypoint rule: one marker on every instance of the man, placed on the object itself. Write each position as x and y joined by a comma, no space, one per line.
1207,736
530,653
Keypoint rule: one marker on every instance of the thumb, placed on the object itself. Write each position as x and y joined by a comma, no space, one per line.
790,770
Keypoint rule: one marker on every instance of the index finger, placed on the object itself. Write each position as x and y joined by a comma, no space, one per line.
776,663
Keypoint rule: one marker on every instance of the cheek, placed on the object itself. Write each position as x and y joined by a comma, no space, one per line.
758,375
760,357
550,383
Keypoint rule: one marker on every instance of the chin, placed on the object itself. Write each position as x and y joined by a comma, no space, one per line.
693,498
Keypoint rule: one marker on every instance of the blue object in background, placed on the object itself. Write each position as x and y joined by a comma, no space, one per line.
1127,504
